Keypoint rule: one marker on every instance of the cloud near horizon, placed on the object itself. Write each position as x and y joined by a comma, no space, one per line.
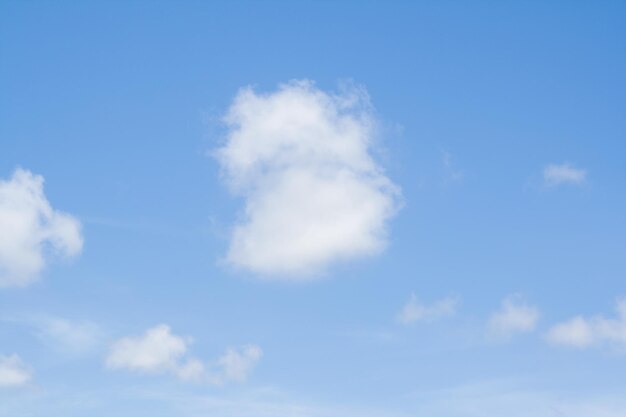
32,230
302,160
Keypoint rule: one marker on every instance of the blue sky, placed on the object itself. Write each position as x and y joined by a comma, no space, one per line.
352,209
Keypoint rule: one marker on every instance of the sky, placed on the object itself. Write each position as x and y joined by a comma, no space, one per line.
298,209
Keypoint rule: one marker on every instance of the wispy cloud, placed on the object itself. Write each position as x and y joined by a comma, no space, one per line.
30,227
415,311
452,173
502,398
581,332
561,174
263,402
60,334
514,316
13,372
68,335
235,365
515,398
314,195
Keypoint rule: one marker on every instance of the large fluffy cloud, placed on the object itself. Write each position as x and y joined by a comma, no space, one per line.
30,229
159,351
581,332
302,160
13,372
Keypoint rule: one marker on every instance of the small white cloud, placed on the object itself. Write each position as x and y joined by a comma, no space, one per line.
415,311
577,332
30,229
514,316
580,332
191,369
235,365
559,174
158,351
13,372
314,195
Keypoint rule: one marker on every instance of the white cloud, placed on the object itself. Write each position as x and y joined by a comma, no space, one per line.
13,372
158,351
514,316
558,174
415,311
31,229
235,365
314,195
576,332
583,332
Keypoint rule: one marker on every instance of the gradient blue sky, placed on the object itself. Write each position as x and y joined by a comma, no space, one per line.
118,105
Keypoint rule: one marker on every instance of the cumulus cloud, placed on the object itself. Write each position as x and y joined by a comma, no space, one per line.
560,174
158,351
514,316
415,311
581,332
13,372
301,159
30,229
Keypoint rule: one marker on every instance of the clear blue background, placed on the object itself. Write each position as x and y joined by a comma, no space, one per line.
117,104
